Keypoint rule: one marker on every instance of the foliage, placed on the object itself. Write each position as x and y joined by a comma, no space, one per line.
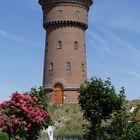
117,126
123,126
41,2
24,115
130,131
137,113
98,100
3,136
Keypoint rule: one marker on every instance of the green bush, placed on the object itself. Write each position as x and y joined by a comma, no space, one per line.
25,115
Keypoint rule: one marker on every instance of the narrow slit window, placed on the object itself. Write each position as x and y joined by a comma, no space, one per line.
68,67
46,49
75,45
82,67
59,46
51,67
85,47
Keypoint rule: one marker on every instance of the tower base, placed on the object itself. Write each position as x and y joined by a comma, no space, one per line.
66,97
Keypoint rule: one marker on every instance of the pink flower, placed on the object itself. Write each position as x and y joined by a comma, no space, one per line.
4,128
4,118
29,125
24,122
17,104
25,129
16,121
25,108
18,110
35,98
13,102
13,116
2,122
21,101
10,124
28,98
17,137
15,95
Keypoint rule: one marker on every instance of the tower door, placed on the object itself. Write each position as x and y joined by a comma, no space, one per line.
58,94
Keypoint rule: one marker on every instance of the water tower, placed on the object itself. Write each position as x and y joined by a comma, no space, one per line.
65,23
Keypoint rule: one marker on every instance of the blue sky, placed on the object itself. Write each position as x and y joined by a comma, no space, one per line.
112,45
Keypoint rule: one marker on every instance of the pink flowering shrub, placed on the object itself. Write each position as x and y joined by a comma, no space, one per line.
24,115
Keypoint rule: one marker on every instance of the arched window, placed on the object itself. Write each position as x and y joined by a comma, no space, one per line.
82,67
68,67
59,46
75,45
51,67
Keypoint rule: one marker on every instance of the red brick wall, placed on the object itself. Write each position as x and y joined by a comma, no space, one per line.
69,79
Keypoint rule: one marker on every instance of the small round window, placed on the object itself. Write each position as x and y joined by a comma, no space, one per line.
77,13
60,11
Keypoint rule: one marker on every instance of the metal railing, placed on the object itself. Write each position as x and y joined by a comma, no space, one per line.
70,138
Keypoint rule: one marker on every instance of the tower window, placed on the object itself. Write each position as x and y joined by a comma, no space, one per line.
85,47
59,11
59,46
77,13
46,48
68,67
82,67
75,45
51,67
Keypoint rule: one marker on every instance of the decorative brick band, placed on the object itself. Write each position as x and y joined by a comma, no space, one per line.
86,3
65,23
66,88
65,4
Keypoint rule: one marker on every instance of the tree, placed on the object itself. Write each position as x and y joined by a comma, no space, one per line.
98,100
42,2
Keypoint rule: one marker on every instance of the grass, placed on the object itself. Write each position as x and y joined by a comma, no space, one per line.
68,120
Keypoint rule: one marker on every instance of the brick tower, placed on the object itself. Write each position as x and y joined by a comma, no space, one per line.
65,22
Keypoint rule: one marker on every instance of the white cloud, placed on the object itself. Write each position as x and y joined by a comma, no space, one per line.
18,38
93,36
129,48
133,74
126,23
113,14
